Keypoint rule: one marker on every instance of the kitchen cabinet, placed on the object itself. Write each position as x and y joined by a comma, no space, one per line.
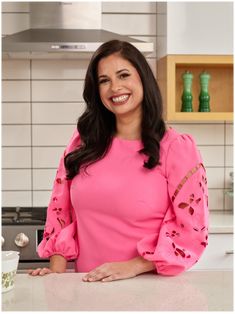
169,73
218,254
196,27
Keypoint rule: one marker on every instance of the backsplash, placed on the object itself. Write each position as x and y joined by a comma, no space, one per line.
42,100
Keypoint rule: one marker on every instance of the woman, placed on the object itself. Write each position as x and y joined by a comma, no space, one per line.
130,196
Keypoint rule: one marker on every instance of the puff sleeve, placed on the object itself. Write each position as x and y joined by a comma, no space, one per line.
183,234
60,229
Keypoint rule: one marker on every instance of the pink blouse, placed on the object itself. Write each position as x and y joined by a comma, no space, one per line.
120,210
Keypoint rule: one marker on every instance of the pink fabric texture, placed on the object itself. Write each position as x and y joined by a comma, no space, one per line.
120,210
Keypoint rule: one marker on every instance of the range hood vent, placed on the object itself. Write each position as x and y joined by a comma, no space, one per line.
63,30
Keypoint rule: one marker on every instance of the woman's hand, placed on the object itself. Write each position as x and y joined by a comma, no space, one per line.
57,265
39,271
119,270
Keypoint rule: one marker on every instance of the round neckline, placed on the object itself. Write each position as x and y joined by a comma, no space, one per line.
126,140
139,141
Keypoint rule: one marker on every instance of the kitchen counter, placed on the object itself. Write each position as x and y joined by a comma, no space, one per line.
190,291
221,222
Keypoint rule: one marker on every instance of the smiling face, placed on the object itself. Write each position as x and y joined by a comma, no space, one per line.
120,86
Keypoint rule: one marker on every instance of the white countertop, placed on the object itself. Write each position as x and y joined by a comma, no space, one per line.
190,291
221,222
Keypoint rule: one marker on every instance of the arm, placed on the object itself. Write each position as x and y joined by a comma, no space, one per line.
120,270
141,265
59,241
57,265
183,235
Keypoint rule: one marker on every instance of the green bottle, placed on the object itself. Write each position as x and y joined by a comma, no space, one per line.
204,97
187,97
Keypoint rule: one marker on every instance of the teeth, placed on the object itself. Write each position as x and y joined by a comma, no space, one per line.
120,98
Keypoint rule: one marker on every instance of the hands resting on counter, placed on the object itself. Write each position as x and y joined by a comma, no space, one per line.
105,272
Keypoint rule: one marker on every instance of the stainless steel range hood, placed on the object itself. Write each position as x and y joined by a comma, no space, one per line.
53,43
63,30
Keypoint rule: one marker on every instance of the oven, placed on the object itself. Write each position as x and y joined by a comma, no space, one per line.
22,231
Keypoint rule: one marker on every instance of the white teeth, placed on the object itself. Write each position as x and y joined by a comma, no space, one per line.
120,98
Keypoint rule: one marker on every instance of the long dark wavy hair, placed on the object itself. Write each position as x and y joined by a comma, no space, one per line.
97,125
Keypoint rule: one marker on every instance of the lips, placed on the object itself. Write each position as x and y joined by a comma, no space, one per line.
120,99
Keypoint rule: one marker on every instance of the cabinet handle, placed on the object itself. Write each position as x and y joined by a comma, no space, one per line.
229,252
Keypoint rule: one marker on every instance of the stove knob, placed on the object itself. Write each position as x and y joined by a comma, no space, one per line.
21,240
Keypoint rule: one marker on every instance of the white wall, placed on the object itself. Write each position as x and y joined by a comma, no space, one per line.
43,98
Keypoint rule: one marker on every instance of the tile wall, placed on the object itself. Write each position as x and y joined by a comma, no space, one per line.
42,99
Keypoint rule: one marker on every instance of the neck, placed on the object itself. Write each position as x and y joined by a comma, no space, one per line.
129,127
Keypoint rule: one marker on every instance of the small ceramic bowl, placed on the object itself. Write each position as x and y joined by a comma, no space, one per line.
10,260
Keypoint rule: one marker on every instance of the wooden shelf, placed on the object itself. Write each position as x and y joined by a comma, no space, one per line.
169,74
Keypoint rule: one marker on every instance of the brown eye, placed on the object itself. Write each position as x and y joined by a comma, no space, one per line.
124,75
103,81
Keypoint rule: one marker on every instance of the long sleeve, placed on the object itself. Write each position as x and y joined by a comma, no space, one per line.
60,228
183,235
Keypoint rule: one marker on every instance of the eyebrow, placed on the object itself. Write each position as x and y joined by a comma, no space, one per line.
119,71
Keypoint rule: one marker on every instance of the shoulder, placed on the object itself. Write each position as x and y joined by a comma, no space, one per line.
179,150
174,140
180,153
74,142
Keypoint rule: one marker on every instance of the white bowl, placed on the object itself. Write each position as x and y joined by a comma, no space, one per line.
10,260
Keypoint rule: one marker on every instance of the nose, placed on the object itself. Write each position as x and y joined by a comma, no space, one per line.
115,86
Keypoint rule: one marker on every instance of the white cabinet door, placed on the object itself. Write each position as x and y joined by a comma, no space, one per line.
199,27
218,254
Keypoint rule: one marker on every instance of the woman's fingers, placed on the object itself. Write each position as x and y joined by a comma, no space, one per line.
111,271
111,278
99,273
34,272
45,271
39,271
95,276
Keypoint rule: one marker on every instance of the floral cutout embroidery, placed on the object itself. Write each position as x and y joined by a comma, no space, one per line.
147,252
183,181
180,252
196,229
173,234
58,180
47,235
57,210
61,222
205,243
203,183
190,208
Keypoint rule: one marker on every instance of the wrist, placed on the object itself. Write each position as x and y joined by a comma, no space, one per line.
142,265
58,263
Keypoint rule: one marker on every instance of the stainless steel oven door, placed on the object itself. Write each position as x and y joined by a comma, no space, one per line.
25,239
